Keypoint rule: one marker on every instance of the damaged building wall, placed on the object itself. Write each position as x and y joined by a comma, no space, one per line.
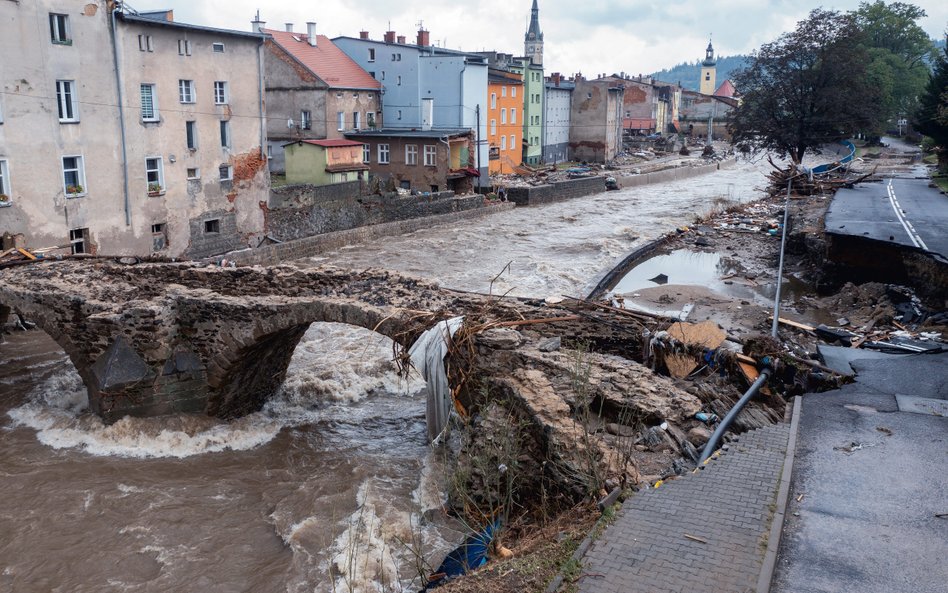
222,172
556,123
596,120
34,140
698,110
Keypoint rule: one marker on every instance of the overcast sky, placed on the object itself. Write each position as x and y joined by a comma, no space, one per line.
591,36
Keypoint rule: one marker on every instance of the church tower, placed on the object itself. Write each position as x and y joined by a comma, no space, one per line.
533,40
708,71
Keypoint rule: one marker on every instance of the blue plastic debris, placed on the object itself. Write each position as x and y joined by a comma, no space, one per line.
470,555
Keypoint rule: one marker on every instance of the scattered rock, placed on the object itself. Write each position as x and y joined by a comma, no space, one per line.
620,430
502,338
699,435
550,345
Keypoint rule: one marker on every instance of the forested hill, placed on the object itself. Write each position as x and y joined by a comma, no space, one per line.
688,74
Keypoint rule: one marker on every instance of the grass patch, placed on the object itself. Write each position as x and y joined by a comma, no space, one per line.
930,159
277,180
941,181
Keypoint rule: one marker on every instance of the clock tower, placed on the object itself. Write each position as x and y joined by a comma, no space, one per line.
533,40
708,71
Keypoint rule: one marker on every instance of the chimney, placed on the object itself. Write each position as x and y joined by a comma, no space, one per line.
311,33
423,38
401,40
556,78
256,25
289,27
363,34
389,37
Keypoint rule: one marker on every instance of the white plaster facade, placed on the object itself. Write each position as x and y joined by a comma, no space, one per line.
40,149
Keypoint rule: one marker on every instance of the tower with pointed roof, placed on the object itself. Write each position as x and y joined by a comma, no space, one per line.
708,71
533,40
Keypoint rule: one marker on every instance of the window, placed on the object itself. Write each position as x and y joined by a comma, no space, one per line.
513,115
149,103
74,177
59,29
371,54
503,91
399,114
707,76
383,74
225,172
503,116
430,155
1,112
306,120
366,153
493,100
184,47
190,130
159,236
67,100
144,43
383,154
5,191
513,141
220,92
340,120
513,91
357,119
186,91
503,143
218,48
212,226
372,74
225,134
79,239
398,82
493,127
194,173
154,175
411,154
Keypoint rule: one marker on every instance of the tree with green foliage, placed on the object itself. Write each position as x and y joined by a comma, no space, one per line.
898,50
809,88
931,118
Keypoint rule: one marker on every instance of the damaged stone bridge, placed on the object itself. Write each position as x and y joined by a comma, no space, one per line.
163,338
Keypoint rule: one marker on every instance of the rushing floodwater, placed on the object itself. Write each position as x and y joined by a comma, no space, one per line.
318,491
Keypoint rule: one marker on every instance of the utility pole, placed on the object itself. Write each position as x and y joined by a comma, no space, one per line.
477,144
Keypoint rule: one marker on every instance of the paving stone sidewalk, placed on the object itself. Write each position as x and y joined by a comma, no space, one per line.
729,504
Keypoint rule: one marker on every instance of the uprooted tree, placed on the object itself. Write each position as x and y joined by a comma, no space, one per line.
807,89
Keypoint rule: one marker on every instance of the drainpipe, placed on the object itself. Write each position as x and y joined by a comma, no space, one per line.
121,103
262,105
712,444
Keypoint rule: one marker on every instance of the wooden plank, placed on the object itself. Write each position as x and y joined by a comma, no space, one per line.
793,323
706,334
26,253
747,359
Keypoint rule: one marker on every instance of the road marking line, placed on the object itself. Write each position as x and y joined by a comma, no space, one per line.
912,233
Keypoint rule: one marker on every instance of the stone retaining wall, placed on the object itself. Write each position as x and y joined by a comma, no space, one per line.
674,174
280,252
558,190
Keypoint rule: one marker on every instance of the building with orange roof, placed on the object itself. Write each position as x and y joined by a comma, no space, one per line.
504,120
313,91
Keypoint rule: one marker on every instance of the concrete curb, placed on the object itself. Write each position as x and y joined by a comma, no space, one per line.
783,494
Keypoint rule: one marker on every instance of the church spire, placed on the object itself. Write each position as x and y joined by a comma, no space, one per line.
533,40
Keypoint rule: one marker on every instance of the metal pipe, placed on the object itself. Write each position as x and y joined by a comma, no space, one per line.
712,443
783,244
121,110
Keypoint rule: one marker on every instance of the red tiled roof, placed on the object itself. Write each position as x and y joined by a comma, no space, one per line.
332,143
326,61
725,90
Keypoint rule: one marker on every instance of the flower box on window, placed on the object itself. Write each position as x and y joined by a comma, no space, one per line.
4,200
155,189
74,190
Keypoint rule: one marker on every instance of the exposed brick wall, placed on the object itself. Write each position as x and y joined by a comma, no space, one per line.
207,244
302,195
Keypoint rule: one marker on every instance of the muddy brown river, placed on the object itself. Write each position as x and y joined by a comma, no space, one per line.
331,487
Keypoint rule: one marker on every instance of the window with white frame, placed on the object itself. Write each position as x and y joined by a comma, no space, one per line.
74,176
340,120
79,240
306,120
184,47
144,43
503,115
186,91
154,175
149,102
493,127
513,141
411,154
221,96
218,48
430,152
193,173
383,154
225,134
366,153
59,30
226,172
6,192
513,91
503,91
513,115
67,100
190,131
493,100
357,120
503,143
371,54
